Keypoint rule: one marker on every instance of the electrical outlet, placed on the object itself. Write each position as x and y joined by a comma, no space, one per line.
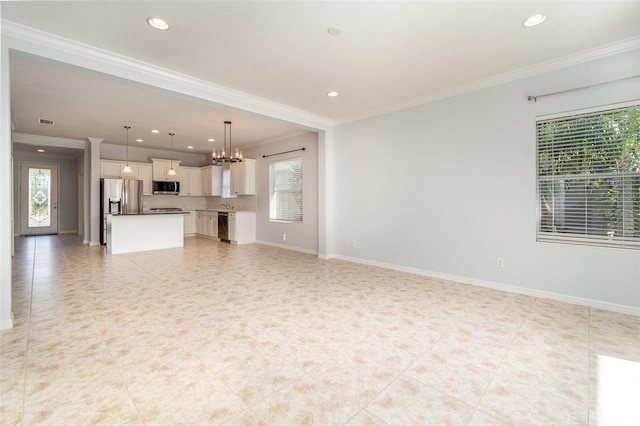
353,243
284,236
500,262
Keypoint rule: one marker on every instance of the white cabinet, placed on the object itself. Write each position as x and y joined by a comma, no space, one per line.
207,224
161,168
111,169
190,181
189,223
134,171
145,173
200,222
211,180
243,177
142,171
242,227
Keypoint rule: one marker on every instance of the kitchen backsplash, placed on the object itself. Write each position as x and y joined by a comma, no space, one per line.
242,202
185,203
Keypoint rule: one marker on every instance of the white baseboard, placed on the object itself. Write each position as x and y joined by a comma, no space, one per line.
298,249
7,324
591,303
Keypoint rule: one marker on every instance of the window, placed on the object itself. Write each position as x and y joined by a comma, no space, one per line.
588,178
226,183
285,190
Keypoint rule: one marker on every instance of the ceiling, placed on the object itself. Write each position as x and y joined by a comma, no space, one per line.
387,55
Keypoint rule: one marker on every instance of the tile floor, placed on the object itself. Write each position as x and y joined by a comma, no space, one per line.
256,335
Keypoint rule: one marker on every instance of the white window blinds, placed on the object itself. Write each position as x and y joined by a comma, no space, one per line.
285,190
588,178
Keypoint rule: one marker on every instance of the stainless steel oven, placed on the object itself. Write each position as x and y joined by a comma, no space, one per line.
223,226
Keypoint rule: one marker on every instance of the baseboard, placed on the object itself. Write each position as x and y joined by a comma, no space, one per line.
7,324
591,303
68,232
298,249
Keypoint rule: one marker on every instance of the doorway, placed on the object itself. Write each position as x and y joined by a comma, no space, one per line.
38,198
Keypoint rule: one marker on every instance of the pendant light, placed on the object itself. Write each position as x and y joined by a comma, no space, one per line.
127,168
220,157
171,171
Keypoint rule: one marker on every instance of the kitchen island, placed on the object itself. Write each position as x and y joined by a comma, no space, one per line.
146,231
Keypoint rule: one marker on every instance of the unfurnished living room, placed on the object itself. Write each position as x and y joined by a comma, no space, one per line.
320,213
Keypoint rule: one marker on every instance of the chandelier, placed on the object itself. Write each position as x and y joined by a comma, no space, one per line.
221,156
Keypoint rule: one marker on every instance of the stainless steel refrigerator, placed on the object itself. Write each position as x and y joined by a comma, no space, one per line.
118,196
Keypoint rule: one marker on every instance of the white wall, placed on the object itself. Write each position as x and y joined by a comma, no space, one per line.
447,187
67,190
302,236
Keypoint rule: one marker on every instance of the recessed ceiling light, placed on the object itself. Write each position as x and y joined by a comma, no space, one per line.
211,140
334,31
158,23
189,147
139,140
534,20
41,150
332,94
155,131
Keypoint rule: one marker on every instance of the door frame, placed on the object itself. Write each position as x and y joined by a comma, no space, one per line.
22,165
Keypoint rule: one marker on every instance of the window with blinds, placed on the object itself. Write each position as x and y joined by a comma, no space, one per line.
588,178
285,190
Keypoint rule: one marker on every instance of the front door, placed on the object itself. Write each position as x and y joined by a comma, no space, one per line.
38,198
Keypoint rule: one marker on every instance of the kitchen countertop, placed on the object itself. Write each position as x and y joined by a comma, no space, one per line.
148,213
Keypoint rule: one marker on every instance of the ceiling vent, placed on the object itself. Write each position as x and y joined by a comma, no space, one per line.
45,121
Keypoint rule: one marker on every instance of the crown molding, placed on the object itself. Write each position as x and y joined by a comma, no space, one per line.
507,77
39,140
34,41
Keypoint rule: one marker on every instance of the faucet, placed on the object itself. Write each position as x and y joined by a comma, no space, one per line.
226,205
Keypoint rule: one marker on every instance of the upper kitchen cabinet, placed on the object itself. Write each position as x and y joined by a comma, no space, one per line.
161,168
145,173
243,177
141,171
135,170
190,181
110,169
211,180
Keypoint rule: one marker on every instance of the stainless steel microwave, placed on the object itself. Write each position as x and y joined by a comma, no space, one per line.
166,187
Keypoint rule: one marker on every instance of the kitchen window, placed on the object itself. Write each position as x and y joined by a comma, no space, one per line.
588,177
285,190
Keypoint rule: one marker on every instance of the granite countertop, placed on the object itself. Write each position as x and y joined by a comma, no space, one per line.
148,213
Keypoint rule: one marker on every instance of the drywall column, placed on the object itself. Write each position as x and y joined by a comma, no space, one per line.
325,246
86,199
94,184
6,181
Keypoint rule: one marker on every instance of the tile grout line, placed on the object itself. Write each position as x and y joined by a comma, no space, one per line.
493,376
26,361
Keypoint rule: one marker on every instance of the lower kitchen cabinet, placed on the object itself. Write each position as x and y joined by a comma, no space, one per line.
190,223
206,224
242,227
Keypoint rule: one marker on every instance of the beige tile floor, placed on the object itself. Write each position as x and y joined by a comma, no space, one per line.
256,335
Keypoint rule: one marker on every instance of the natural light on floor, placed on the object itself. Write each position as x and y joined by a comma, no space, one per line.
617,391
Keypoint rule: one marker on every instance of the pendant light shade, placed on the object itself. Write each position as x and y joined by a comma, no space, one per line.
172,171
221,156
127,168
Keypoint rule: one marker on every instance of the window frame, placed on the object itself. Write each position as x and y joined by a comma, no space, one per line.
578,239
